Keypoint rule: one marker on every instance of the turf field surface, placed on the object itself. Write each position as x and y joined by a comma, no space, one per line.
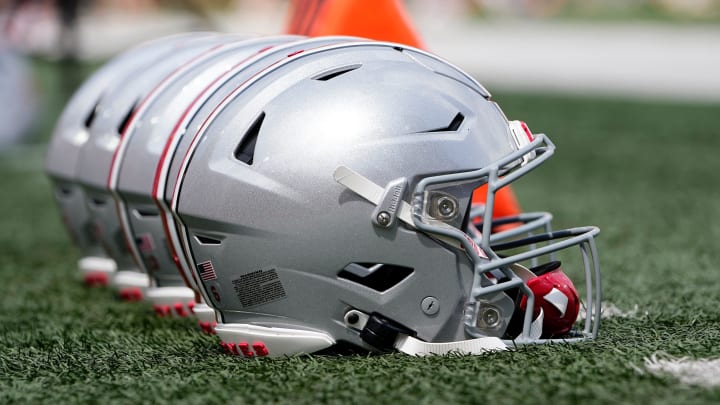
646,173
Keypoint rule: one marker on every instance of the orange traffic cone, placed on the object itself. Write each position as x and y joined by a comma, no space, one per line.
383,20
506,203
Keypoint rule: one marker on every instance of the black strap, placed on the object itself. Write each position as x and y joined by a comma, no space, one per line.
381,332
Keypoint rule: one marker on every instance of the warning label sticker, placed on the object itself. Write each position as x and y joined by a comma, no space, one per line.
258,288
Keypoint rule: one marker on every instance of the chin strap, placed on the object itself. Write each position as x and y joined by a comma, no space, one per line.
386,335
416,347
536,327
478,346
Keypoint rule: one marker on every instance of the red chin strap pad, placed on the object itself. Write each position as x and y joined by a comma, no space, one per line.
547,289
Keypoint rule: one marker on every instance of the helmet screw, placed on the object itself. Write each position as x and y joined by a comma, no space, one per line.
430,305
490,317
446,207
383,219
353,318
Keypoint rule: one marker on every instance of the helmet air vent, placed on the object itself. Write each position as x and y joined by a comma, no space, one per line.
380,277
246,150
91,117
146,213
126,120
325,76
64,190
207,240
453,126
98,202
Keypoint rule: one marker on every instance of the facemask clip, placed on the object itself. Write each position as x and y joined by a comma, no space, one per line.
385,214
522,137
491,314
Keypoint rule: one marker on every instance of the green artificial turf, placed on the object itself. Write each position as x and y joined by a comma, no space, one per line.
646,173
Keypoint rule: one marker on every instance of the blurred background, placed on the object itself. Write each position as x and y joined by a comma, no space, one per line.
629,91
637,49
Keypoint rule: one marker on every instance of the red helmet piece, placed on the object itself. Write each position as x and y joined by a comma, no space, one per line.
556,295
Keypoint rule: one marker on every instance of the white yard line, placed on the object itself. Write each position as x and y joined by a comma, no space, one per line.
699,372
610,310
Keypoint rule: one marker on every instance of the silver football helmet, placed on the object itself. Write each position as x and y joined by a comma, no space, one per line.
17,96
134,165
326,202
70,135
113,111
192,116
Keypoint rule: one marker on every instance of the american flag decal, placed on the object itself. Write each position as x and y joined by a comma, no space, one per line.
206,271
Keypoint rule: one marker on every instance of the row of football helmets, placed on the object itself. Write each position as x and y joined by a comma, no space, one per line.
302,194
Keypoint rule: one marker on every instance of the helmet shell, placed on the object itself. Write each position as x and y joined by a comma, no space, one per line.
114,110
143,142
71,133
260,202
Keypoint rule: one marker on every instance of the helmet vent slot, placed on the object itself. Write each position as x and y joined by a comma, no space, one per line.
453,126
206,240
245,152
146,213
336,72
126,120
64,190
98,202
91,117
380,277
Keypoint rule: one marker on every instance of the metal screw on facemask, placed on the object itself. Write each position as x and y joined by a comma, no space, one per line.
383,219
430,305
353,319
490,317
446,207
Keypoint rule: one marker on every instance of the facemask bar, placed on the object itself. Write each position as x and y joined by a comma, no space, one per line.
584,238
484,258
528,224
